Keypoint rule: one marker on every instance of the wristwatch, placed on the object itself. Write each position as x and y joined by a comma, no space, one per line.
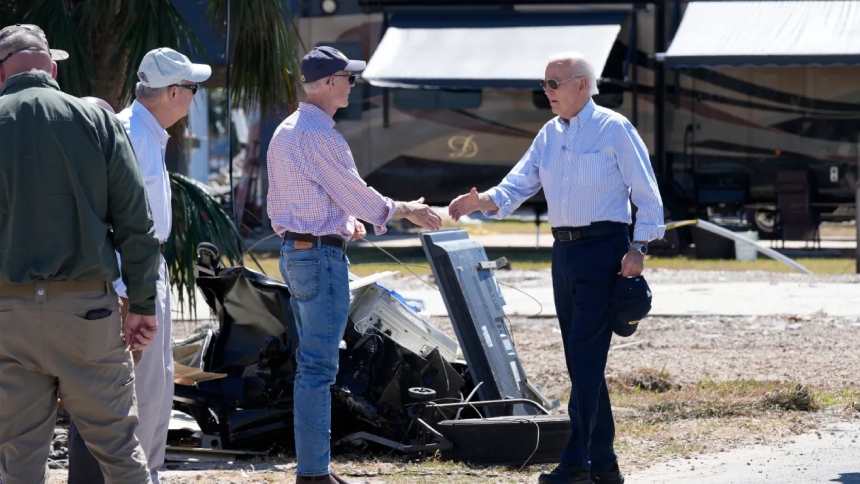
642,248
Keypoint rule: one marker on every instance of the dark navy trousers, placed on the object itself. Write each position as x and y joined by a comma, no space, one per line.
583,276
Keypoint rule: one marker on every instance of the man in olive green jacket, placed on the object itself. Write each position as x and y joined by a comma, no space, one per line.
70,196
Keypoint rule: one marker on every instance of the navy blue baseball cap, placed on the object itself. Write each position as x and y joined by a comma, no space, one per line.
631,301
324,61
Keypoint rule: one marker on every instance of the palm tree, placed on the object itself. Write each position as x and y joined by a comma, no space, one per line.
107,39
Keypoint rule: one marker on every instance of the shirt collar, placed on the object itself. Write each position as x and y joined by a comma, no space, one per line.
151,123
583,116
316,112
26,80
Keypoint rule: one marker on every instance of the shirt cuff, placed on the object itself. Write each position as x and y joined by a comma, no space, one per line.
648,232
147,308
391,208
502,202
118,285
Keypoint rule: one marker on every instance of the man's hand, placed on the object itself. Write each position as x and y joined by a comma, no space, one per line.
123,310
464,204
632,264
139,331
471,202
360,231
420,214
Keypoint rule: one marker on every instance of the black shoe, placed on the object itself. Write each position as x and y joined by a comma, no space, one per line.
612,476
566,474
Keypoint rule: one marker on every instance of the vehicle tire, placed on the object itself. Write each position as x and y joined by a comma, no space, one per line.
510,441
422,394
765,222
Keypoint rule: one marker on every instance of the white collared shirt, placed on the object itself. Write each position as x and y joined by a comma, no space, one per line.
149,140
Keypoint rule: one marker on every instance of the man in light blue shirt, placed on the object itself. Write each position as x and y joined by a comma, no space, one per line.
591,162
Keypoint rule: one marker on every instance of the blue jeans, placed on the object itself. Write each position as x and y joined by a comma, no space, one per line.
318,279
583,276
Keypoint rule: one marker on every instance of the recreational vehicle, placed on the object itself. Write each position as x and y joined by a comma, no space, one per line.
450,98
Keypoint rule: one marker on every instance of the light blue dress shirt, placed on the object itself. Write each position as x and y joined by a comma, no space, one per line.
589,169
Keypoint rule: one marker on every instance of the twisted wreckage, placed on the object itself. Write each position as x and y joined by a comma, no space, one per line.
402,384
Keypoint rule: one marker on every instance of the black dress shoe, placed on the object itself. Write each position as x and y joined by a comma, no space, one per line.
566,474
611,476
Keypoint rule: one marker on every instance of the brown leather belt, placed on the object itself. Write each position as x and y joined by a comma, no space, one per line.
53,287
322,239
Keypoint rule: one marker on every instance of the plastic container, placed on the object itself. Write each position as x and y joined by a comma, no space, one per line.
745,251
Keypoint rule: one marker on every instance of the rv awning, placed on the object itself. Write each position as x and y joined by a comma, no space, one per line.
505,51
779,33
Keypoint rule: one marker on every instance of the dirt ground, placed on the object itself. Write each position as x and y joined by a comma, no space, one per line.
680,386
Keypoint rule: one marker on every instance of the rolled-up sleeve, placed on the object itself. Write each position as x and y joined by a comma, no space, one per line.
635,167
521,183
340,179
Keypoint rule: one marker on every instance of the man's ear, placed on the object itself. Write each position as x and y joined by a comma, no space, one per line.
53,70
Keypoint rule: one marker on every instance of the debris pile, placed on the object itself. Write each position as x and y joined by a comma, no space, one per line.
402,384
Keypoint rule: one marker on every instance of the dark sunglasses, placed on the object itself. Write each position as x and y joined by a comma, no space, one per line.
193,87
10,54
553,84
350,76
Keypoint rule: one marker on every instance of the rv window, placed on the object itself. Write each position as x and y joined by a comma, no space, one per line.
436,99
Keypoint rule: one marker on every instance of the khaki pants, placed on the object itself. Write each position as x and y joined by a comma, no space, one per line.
50,348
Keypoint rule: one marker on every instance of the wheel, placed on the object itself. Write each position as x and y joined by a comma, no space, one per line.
421,394
207,256
205,248
765,222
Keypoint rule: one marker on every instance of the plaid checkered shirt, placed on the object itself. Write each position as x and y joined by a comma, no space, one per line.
314,186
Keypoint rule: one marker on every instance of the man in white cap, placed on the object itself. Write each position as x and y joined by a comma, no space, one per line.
168,83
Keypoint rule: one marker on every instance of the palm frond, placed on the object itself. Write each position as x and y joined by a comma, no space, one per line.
197,217
150,24
264,69
58,18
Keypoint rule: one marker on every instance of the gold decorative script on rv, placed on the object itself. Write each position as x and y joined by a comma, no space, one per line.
462,146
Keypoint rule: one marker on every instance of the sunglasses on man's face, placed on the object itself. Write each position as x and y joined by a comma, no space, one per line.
350,76
192,87
553,84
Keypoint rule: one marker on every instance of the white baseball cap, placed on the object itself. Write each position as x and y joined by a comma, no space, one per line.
162,67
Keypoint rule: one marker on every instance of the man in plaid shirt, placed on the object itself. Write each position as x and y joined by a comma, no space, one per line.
315,198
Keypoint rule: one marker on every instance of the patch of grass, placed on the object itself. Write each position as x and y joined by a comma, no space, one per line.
797,399
368,260
842,396
645,380
658,399
816,265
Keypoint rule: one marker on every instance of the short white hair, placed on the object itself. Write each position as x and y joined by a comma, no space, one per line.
579,67
145,93
314,86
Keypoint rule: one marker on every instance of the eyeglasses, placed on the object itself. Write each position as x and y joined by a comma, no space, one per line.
192,87
350,76
10,54
553,84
